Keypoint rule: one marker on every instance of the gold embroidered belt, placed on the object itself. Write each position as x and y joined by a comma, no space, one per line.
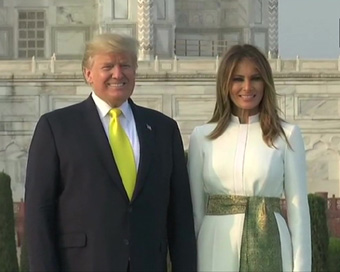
261,247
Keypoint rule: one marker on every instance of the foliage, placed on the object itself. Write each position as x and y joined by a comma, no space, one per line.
8,254
334,254
319,232
24,265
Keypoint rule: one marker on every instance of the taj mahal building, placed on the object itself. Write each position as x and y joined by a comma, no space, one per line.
181,41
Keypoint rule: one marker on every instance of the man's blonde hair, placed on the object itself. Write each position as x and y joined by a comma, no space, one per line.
109,43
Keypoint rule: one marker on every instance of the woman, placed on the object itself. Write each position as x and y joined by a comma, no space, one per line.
240,164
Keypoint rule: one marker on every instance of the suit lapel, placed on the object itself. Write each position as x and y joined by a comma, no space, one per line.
145,133
100,143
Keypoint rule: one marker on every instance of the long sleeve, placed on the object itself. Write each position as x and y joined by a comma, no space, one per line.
195,169
295,184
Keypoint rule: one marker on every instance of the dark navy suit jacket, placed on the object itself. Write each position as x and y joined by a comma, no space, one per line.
78,215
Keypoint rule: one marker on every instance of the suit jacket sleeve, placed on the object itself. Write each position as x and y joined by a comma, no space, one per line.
297,202
182,242
42,180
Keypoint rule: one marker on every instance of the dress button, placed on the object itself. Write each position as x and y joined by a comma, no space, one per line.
126,242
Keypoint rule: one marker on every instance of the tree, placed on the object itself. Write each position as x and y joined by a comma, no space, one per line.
24,264
319,232
8,253
334,254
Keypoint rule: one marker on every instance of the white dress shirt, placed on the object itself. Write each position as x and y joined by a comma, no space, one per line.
126,119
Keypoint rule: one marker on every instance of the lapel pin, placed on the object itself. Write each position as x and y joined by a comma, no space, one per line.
148,127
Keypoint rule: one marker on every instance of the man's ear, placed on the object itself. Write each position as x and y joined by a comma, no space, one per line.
87,75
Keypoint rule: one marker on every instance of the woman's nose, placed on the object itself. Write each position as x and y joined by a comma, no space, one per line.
247,84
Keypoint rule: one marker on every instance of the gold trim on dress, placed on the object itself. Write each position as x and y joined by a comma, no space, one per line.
261,246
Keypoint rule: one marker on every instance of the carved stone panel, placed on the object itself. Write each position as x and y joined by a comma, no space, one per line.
258,9
161,9
163,41
234,13
120,9
259,39
6,43
203,18
3,16
150,101
122,28
317,107
19,108
195,107
76,15
323,161
57,102
196,14
69,41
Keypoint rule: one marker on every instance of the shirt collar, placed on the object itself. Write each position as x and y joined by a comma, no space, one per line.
104,108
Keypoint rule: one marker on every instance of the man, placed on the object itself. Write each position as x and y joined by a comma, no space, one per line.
91,206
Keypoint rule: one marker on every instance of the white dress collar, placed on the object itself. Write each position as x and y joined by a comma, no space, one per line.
252,119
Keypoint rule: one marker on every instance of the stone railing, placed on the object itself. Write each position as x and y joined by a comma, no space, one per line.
333,213
198,48
182,65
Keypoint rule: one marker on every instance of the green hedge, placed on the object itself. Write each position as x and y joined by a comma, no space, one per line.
24,264
8,253
334,254
319,232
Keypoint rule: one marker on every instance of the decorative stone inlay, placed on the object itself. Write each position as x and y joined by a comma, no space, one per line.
273,31
145,28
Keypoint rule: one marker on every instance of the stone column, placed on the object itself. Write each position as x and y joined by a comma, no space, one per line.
100,16
145,29
273,31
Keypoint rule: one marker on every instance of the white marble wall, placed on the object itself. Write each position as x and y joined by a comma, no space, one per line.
184,90
234,21
68,25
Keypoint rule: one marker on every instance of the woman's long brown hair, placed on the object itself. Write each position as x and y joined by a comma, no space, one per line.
269,117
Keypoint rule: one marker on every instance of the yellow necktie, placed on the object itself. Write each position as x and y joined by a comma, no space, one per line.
122,152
